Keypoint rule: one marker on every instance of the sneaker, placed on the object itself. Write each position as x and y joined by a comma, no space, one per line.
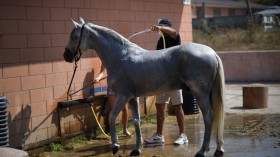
155,139
181,140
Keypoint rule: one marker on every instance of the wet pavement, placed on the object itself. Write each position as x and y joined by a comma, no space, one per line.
248,132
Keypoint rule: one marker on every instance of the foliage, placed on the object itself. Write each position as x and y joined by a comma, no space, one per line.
56,147
252,37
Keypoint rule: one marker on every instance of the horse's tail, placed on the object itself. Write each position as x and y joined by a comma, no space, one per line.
217,102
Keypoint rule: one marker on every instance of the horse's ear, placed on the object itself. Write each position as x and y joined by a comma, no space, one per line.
76,24
82,20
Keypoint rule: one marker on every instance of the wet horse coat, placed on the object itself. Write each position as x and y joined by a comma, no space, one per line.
134,72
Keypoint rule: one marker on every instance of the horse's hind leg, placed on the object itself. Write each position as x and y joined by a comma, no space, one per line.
118,106
205,107
134,106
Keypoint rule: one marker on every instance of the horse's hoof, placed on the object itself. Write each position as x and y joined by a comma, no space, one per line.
199,155
135,153
219,153
115,149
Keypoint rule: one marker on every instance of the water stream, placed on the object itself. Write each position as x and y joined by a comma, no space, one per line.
141,32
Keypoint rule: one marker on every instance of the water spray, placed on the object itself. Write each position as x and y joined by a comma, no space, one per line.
149,30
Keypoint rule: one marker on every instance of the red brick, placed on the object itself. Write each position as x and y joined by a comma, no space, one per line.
10,2
37,135
18,98
117,4
37,109
61,91
176,8
62,66
54,26
1,74
41,122
110,15
163,7
39,95
60,39
10,85
15,141
87,4
33,82
54,53
40,40
137,5
75,4
56,79
127,15
14,41
36,68
38,13
141,16
31,54
15,70
104,4
30,27
151,6
137,26
15,112
12,12
8,26
60,13
120,27
53,3
9,55
90,63
88,14
52,105
81,76
153,16
29,3
19,126
75,14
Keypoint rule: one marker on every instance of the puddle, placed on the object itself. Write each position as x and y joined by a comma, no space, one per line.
245,135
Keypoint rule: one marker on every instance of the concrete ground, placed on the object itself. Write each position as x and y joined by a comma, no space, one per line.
248,132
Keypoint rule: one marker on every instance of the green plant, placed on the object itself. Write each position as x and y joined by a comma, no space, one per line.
56,147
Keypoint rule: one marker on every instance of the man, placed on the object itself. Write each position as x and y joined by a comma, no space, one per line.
172,38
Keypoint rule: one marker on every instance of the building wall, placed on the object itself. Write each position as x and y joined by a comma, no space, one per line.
251,66
33,73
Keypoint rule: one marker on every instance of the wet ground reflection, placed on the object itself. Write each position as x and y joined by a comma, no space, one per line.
245,135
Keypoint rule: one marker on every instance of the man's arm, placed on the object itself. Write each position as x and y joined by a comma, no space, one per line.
168,30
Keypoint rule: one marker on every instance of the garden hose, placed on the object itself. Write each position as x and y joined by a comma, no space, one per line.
91,104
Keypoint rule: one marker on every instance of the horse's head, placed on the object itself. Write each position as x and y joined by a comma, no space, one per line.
77,42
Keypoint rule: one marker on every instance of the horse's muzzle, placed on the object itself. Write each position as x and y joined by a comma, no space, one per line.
68,56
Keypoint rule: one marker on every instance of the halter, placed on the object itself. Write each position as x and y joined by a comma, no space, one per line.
78,50
77,58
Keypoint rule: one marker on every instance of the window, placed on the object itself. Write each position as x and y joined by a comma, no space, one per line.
231,12
216,12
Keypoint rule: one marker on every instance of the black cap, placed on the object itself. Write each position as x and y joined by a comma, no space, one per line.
165,22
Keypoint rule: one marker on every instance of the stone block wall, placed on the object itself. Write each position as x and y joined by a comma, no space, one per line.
33,73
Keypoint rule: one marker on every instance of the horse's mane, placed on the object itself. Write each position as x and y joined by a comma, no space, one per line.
113,37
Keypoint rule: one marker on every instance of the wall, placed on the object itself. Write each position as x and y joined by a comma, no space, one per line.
251,66
33,73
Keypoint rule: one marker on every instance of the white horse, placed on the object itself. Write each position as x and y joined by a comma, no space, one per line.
134,72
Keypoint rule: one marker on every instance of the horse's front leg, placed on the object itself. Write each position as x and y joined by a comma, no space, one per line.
134,105
118,106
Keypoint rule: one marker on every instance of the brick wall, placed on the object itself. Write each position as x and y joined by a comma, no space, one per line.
33,73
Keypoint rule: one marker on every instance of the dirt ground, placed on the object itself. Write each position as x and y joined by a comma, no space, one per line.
248,133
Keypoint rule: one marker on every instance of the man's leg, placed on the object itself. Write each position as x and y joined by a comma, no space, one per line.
177,101
160,117
180,117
